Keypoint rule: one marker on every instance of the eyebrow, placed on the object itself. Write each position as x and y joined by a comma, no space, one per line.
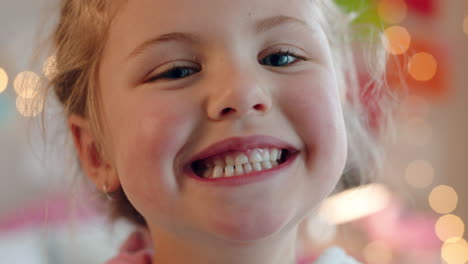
271,22
260,27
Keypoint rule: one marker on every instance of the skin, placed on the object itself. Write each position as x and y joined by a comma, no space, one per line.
152,128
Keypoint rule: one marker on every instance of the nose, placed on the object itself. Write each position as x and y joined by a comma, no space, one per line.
237,92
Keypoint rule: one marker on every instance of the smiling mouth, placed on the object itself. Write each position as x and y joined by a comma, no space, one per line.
240,163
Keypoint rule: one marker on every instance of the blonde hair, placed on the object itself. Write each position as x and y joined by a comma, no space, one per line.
81,35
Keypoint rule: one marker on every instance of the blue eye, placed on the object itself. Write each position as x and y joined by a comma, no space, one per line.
281,59
278,59
175,73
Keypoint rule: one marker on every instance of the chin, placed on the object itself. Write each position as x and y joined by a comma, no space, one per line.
253,228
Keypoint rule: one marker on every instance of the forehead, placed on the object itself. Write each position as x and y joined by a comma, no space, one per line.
215,23
139,16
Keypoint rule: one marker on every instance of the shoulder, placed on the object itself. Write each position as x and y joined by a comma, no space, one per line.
335,255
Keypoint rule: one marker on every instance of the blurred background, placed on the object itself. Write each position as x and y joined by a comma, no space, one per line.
416,214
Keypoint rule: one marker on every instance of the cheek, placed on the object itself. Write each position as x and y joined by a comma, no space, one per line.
146,149
313,106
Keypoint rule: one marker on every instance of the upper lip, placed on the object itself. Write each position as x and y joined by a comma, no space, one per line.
241,144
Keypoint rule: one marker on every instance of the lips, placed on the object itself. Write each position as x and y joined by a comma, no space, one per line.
240,144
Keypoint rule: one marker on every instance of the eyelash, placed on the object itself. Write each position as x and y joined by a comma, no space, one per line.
281,52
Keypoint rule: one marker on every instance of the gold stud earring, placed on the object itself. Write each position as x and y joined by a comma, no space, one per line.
106,193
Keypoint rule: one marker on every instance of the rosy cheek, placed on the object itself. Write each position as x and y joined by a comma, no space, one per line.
316,117
151,144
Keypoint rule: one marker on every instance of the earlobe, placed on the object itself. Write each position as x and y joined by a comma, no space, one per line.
95,168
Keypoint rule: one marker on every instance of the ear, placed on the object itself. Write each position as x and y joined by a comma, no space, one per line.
99,171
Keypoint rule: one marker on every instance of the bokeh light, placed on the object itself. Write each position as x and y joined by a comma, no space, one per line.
397,40
465,25
422,66
419,174
3,80
443,199
29,107
392,11
355,203
26,84
417,131
377,252
455,252
449,227
319,230
49,68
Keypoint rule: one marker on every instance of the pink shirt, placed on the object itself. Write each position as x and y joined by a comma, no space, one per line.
134,250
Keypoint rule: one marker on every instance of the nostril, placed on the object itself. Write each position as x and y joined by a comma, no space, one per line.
259,107
226,110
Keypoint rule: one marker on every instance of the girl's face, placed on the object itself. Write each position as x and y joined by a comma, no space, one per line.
244,68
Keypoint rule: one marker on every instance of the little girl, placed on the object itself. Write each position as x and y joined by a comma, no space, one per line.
216,126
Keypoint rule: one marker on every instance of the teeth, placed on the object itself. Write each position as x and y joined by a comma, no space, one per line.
238,169
247,167
240,163
274,154
255,156
217,172
256,166
229,170
241,159
266,164
265,155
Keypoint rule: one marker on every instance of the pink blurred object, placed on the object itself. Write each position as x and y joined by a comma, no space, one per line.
307,260
402,229
51,211
425,7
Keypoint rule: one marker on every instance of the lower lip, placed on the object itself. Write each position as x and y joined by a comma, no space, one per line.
252,177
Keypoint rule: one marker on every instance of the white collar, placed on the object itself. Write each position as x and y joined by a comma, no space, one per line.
335,255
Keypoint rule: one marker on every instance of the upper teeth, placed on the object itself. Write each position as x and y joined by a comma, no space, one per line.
242,162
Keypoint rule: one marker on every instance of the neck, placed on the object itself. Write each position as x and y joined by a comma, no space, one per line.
173,248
